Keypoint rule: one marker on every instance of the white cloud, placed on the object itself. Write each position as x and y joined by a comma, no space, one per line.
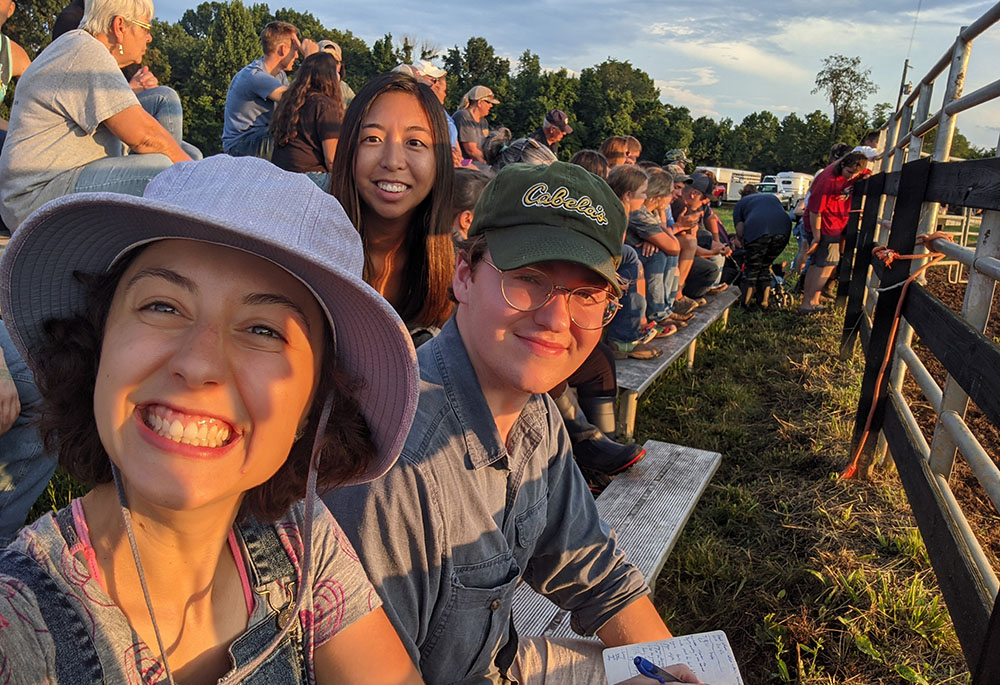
695,76
743,57
663,28
700,105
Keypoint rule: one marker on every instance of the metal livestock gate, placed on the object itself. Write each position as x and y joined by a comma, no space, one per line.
892,208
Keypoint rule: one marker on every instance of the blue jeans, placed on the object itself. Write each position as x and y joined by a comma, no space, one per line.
128,175
259,143
320,178
164,105
655,267
25,467
627,323
672,281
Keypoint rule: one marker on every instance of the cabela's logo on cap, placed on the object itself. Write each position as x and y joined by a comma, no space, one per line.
538,195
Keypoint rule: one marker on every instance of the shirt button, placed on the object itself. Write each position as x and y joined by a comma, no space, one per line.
494,605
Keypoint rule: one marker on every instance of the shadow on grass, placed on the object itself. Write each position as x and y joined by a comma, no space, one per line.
815,580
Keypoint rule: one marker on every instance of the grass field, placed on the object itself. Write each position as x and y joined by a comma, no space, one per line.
816,580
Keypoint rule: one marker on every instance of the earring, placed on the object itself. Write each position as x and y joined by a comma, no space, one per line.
121,50
298,434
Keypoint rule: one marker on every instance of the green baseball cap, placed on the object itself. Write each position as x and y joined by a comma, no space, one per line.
552,213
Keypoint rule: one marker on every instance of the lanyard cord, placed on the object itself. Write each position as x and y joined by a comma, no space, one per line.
304,575
888,257
127,519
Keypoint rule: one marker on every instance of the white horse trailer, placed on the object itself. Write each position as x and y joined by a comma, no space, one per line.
793,186
732,179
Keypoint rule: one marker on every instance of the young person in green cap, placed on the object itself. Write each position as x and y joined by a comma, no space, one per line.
486,493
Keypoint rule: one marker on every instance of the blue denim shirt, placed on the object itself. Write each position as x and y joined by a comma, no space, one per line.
448,532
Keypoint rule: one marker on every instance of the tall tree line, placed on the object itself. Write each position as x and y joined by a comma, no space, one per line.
200,53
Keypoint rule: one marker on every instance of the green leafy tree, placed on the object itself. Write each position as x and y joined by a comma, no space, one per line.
818,140
608,95
706,141
31,25
793,151
679,133
232,43
847,86
880,115
306,23
358,65
385,57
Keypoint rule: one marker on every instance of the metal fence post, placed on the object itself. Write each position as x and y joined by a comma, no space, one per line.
976,311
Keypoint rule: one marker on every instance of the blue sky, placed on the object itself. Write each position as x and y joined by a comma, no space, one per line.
716,57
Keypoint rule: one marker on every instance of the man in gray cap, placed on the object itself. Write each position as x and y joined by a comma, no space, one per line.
470,120
554,128
485,492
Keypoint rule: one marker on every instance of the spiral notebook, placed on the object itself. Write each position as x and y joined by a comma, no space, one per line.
707,654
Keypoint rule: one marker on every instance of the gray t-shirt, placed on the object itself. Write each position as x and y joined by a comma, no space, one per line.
470,130
248,110
55,122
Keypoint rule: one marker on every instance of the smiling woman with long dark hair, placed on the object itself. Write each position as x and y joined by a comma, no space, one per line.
393,175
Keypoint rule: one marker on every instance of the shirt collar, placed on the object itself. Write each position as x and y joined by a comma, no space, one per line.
482,440
465,396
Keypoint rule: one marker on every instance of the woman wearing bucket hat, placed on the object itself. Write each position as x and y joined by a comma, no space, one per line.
206,359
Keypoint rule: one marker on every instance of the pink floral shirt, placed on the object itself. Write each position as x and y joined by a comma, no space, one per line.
342,594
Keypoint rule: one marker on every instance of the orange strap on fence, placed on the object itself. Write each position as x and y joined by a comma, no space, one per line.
888,257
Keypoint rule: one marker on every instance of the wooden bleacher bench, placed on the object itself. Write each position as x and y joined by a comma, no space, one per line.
647,506
636,375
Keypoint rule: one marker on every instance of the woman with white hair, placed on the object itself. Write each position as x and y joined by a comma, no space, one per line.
73,110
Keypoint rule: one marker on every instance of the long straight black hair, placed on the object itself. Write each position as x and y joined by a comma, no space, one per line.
430,261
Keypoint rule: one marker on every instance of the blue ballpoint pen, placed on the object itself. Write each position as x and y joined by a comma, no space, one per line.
648,669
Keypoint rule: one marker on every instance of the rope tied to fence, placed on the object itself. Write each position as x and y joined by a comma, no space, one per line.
887,256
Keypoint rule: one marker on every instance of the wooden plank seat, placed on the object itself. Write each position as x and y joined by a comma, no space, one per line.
647,506
636,375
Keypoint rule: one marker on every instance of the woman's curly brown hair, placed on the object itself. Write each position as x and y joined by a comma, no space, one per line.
67,372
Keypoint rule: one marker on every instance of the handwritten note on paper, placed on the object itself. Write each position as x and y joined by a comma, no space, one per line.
707,654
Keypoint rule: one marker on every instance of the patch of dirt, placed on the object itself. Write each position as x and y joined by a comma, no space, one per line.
978,508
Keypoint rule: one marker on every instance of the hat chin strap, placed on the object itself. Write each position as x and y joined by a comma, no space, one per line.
305,570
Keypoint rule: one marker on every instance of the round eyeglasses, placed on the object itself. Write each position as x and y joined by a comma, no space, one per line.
528,289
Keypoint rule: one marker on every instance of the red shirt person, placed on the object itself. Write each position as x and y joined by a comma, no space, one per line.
826,217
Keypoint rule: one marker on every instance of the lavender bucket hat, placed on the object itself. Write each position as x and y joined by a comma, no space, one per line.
244,203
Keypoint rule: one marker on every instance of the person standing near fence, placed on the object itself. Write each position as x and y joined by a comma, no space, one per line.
828,209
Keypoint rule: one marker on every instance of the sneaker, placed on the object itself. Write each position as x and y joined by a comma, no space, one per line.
596,481
721,288
680,319
684,306
701,301
605,456
633,350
